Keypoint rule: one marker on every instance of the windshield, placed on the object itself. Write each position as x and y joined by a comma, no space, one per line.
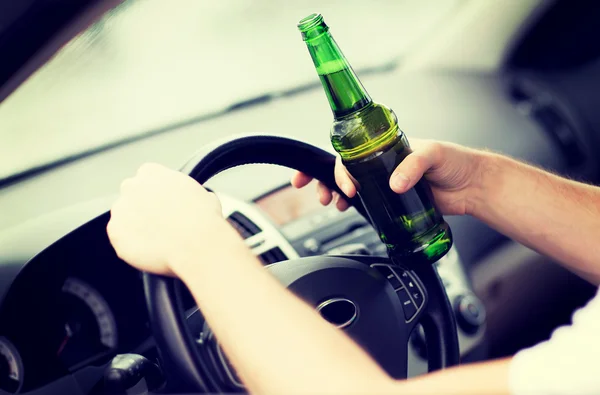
149,64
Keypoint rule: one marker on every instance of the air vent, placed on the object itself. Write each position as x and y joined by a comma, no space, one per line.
272,256
244,226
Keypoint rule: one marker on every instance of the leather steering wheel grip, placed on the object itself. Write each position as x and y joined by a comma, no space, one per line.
233,152
182,363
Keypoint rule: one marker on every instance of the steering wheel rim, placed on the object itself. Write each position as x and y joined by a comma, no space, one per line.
183,360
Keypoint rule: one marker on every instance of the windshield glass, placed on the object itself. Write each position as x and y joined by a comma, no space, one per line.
148,64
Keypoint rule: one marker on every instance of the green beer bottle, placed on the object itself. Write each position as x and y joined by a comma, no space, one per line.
371,145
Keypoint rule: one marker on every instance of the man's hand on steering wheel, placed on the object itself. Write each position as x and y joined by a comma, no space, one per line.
162,212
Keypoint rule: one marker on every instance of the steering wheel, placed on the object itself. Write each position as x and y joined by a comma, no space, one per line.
376,302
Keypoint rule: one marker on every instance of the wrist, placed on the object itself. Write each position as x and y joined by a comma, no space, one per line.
485,174
204,248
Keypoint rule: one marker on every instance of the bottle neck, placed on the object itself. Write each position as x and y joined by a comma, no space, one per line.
342,87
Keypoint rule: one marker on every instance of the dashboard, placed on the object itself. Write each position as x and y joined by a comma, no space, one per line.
75,306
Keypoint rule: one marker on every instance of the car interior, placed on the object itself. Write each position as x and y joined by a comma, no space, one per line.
519,78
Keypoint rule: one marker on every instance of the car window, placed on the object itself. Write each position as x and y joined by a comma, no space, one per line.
148,64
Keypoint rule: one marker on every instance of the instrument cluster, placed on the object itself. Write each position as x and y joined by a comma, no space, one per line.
58,319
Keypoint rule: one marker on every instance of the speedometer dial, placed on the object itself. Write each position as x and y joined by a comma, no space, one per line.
90,330
11,367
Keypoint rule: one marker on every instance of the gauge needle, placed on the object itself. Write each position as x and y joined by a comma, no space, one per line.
68,334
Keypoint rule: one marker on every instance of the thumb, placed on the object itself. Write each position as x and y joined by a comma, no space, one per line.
412,168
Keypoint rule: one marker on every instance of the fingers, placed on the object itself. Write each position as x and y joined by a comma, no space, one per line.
300,180
414,166
343,180
324,194
340,203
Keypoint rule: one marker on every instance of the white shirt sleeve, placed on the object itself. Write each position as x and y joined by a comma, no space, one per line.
567,363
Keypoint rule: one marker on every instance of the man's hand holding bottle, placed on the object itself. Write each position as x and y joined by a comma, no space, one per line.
453,171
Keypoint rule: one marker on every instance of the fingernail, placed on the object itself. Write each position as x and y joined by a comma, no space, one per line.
346,188
399,181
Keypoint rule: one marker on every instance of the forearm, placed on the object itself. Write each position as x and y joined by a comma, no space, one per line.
487,378
555,216
286,346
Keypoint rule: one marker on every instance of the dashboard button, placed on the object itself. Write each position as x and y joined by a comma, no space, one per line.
394,281
407,304
404,276
312,245
417,297
470,313
411,286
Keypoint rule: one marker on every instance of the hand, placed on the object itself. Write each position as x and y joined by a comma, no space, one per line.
162,213
451,170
